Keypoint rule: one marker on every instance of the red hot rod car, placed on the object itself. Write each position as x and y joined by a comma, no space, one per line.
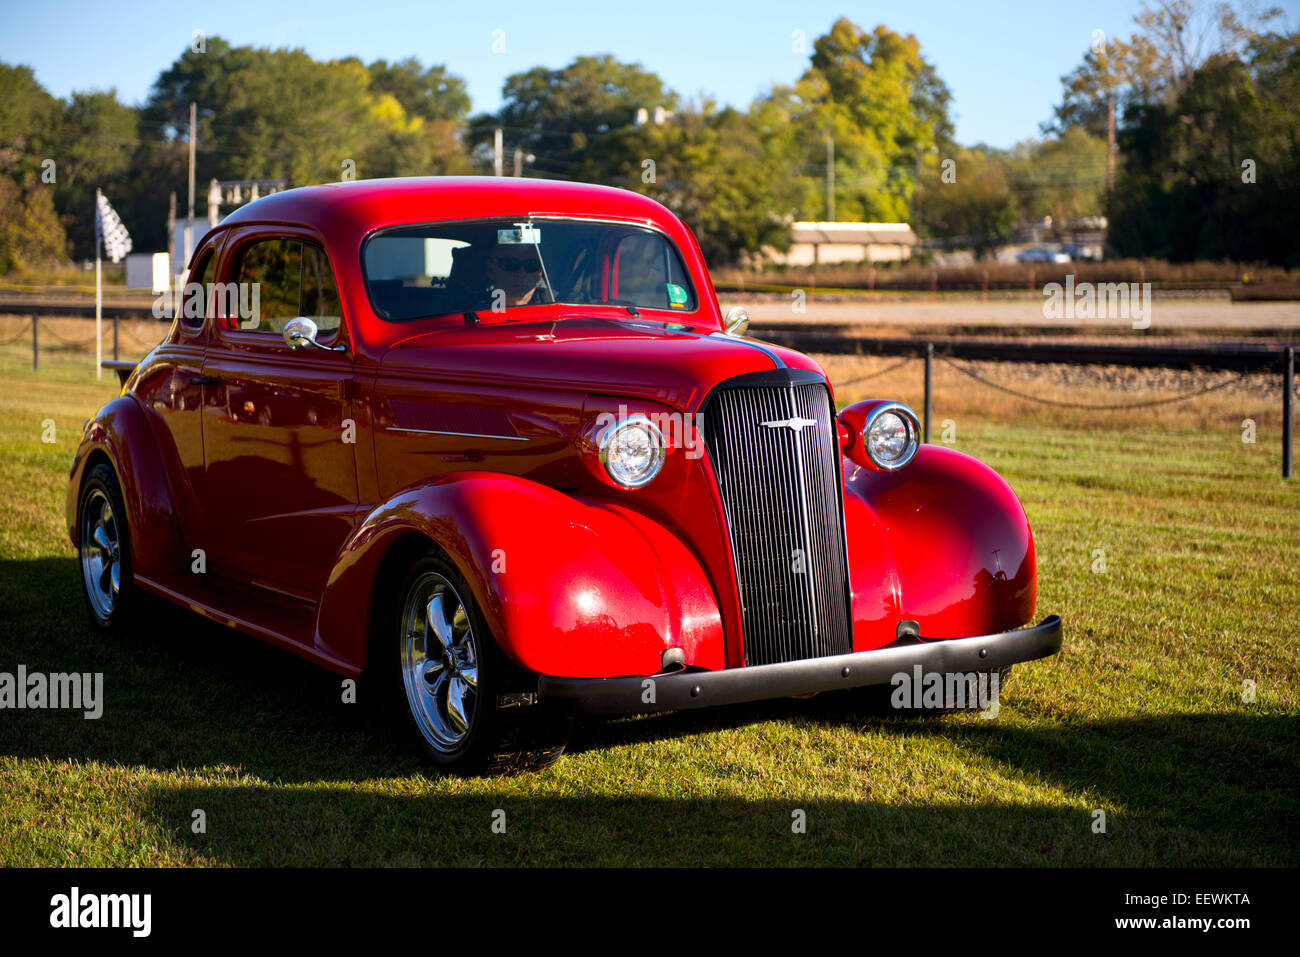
493,440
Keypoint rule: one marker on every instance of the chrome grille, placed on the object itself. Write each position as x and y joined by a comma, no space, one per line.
780,488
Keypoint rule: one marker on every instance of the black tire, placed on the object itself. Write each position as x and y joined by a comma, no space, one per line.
104,551
448,690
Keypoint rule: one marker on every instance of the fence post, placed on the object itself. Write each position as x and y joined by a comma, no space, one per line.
1288,385
36,343
929,377
115,321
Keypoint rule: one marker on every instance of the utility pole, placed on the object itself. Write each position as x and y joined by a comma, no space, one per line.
916,194
830,179
519,161
171,234
189,222
498,148
1110,141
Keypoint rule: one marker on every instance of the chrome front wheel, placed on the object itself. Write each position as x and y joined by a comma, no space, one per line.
452,675
440,663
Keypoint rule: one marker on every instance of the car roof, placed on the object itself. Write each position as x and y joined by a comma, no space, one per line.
344,214
372,204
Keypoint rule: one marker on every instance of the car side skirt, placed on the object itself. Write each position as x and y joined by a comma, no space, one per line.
681,690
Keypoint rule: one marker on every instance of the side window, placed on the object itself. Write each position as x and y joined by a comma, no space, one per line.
291,278
195,304
320,297
650,274
273,269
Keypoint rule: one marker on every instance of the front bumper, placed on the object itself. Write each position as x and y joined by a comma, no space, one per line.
680,690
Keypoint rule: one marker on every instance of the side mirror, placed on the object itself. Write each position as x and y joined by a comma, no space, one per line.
301,332
737,321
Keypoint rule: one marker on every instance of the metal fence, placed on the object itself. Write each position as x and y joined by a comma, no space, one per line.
1240,356
1243,357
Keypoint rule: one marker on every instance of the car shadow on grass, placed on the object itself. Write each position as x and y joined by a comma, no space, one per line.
1197,790
182,693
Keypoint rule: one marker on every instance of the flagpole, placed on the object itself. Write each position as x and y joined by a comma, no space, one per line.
99,301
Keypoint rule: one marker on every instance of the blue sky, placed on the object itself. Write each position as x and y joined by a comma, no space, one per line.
1002,60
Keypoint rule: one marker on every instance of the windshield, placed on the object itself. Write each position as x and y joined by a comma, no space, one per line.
443,268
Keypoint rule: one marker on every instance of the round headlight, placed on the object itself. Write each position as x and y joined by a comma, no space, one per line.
890,436
632,451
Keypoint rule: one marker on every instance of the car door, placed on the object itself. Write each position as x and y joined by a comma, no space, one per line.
280,487
172,392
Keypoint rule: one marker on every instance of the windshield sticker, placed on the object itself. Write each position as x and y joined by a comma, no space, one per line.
676,295
520,234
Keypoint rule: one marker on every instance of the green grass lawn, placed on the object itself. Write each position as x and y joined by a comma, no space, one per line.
1140,716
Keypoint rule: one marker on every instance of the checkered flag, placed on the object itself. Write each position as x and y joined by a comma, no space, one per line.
109,230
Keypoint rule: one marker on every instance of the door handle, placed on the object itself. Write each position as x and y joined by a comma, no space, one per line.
203,380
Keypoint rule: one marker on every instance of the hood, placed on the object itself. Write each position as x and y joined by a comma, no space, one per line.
632,357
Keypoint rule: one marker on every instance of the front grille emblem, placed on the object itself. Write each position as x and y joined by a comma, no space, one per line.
794,424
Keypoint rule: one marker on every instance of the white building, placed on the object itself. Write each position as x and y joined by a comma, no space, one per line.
825,243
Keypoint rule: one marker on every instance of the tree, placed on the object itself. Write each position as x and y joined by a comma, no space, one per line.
1215,174
427,92
28,121
1154,65
567,118
973,205
712,168
883,106
30,232
98,136
425,137
281,114
1062,177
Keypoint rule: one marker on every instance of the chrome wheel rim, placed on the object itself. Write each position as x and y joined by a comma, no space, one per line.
101,553
439,662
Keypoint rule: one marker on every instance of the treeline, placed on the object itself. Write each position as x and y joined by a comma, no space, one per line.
869,113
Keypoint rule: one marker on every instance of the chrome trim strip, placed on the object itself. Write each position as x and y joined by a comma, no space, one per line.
468,435
805,508
776,360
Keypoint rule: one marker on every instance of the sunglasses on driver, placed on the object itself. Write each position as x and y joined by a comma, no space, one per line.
511,264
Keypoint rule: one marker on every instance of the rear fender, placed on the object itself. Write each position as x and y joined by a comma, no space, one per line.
568,586
954,548
121,433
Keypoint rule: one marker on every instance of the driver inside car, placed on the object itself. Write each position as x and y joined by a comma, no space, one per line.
516,270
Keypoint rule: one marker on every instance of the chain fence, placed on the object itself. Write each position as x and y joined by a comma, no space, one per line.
1243,364
1025,353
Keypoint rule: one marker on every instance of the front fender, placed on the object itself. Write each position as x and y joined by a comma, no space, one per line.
120,432
943,541
569,587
